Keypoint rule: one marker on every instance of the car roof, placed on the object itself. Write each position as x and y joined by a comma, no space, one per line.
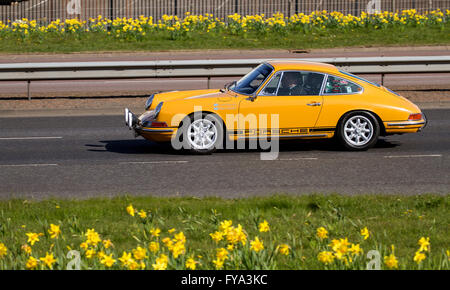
302,65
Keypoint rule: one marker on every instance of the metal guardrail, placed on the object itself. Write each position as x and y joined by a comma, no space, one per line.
208,68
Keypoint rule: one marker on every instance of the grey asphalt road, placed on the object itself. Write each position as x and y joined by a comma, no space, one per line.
79,157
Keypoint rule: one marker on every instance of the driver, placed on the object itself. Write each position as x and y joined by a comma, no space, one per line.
291,84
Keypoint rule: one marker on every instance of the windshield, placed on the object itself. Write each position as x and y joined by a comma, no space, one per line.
251,81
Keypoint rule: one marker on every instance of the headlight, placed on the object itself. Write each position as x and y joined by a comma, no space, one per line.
149,102
158,109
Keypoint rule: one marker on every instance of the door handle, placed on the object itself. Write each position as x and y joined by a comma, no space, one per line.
313,104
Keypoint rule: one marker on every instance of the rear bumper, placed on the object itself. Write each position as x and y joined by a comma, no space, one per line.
394,127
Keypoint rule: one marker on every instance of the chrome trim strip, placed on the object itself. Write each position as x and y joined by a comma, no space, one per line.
311,135
324,83
287,136
412,123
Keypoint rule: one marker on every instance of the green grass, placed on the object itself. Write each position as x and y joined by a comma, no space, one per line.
158,41
398,220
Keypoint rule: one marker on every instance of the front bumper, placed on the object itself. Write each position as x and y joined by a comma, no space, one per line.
155,134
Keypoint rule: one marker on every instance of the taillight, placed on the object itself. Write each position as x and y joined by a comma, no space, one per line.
415,117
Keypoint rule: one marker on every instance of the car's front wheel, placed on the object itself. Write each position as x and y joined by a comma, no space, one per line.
202,134
358,131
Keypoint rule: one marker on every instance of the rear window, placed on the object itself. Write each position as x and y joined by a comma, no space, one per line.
337,85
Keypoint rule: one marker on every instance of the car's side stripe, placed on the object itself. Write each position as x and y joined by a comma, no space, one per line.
281,131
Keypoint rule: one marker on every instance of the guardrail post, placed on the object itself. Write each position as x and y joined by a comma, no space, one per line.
382,79
29,90
209,82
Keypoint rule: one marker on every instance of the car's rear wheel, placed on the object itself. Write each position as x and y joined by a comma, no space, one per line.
202,134
358,130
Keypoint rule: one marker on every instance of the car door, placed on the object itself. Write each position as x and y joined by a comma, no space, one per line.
291,96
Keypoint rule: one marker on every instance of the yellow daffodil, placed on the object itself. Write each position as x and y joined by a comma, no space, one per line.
322,233
153,247
27,249
178,249
256,245
126,259
161,263
217,236
140,253
355,249
365,233
180,237
155,232
424,244
107,244
90,253
391,261
31,263
54,231
142,214
33,237
107,260
264,227
191,264
218,263
326,257
93,238
283,249
84,245
419,257
3,250
48,260
225,225
130,210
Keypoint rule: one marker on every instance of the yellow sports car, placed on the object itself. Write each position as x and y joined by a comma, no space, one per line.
279,99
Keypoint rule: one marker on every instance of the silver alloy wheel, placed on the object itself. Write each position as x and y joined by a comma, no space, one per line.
202,134
358,130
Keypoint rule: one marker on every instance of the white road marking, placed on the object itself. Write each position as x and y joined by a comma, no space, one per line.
27,165
29,138
295,159
156,162
413,156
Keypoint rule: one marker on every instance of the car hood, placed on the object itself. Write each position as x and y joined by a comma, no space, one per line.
185,95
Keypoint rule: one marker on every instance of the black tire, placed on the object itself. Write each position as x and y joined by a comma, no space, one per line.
206,119
361,139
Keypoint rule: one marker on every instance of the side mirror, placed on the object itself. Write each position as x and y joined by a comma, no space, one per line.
252,97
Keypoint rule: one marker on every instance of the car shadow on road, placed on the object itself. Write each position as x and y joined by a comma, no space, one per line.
138,146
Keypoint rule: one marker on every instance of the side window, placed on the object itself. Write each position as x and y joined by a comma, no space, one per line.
336,85
299,83
271,88
313,84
